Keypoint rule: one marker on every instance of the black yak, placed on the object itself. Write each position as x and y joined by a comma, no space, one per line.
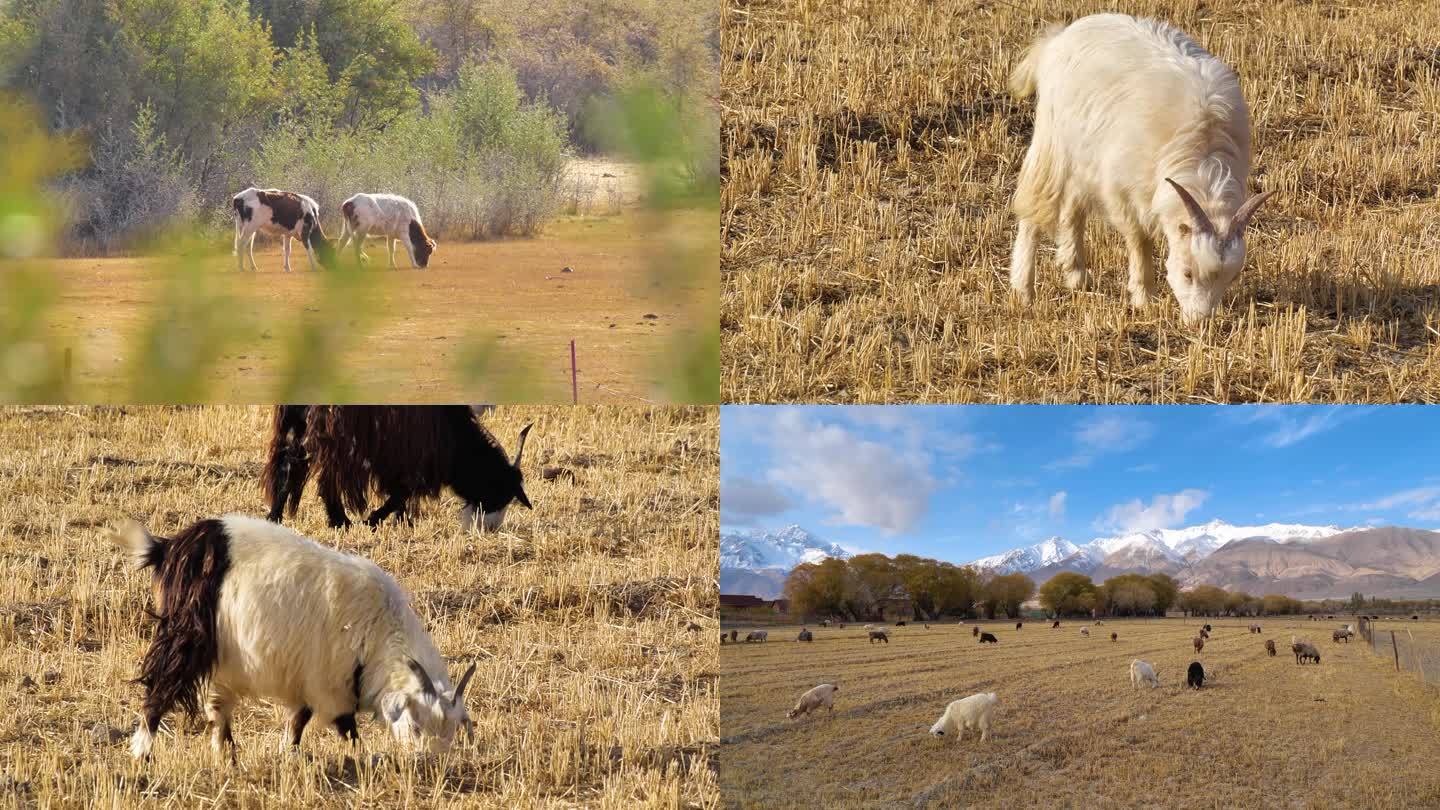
403,452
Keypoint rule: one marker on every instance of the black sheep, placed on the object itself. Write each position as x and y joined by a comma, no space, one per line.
984,637
403,452
879,635
1195,675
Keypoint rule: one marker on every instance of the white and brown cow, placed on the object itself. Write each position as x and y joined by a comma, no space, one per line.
391,216
291,215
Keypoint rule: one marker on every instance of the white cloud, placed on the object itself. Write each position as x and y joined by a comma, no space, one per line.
1417,496
1114,431
1163,512
1290,424
1057,505
743,500
886,486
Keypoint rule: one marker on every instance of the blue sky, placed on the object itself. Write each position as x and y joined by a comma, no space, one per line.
961,482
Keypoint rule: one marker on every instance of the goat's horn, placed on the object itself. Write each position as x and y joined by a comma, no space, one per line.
1197,214
425,682
464,682
520,451
1242,216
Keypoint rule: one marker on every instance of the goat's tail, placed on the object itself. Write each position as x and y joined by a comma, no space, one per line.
189,571
1023,78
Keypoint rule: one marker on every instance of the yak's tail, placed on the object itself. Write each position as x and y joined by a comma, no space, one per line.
286,469
1024,78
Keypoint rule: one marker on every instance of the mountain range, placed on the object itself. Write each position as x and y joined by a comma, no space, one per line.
1306,562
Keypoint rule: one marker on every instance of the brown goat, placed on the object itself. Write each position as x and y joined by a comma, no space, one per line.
1199,644
1270,646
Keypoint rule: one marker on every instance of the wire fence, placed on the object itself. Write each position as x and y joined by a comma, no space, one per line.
1410,652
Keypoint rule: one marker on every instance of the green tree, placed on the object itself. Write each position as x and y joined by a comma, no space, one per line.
1007,593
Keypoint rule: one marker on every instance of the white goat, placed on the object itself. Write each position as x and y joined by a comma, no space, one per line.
250,609
391,216
1141,672
814,699
1137,120
975,711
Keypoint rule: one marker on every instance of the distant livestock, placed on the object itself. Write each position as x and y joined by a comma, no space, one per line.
724,637
1199,643
1142,672
1270,646
1114,637
1205,633
1195,675
1018,625
734,635
403,452
1055,625
758,636
1208,628
879,635
248,609
975,631
814,699
1305,651
1159,147
1254,628
900,623
390,216
987,638
1338,635
805,635
974,712
291,215
1084,631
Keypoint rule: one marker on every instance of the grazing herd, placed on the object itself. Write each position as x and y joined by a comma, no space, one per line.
296,216
976,712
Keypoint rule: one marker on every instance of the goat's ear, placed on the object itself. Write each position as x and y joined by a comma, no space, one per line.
520,450
132,538
425,683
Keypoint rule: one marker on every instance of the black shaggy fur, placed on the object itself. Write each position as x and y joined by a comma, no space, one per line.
1195,675
188,572
402,452
984,637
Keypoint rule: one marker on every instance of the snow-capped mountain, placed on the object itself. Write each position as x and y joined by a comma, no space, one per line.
786,548
1155,549
756,561
1029,558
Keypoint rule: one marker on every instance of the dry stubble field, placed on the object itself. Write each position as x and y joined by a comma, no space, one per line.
1070,730
589,689
870,151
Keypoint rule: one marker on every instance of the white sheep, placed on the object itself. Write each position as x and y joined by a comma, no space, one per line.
975,711
247,608
1141,672
1134,119
820,696
1084,631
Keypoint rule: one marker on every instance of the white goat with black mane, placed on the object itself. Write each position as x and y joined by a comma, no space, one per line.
248,609
403,451
1135,119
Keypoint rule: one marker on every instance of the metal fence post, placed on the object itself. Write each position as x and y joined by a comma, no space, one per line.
1396,647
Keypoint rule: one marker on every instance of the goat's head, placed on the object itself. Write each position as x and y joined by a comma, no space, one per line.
423,716
421,245
511,487
1204,260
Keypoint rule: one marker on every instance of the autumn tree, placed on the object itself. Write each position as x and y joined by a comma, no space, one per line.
1061,596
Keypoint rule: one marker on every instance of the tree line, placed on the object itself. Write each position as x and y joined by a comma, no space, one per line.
859,588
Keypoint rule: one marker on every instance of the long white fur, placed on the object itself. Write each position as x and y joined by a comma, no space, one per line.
822,696
975,711
260,221
1141,672
386,215
295,618
1122,104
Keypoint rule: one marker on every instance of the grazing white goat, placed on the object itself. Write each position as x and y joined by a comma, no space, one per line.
1141,672
291,215
820,696
247,608
1084,631
1135,120
975,711
388,215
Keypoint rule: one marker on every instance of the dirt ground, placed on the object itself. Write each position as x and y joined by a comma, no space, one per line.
590,689
622,318
1070,729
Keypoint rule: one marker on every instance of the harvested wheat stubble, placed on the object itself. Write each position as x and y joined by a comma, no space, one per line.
869,155
1070,729
589,689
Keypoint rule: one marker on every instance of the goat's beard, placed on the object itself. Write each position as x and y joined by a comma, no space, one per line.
489,522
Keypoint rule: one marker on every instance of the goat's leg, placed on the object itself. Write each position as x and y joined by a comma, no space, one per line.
1142,267
218,709
1070,246
295,727
285,250
251,251
1022,261
334,504
390,245
395,503
346,728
